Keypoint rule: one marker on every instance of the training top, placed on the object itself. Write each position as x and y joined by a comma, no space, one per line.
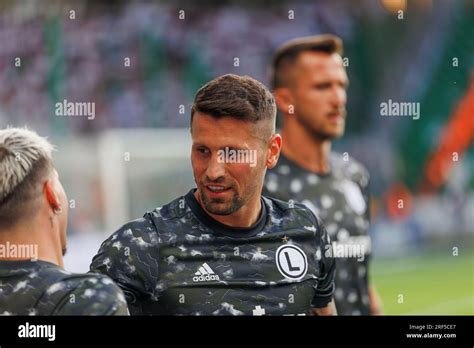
42,288
178,260
341,200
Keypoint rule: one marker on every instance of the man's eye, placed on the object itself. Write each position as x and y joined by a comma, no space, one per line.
203,150
322,86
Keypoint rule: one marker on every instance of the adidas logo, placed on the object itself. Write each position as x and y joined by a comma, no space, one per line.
205,274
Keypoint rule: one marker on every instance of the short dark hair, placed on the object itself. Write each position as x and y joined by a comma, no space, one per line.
239,97
286,54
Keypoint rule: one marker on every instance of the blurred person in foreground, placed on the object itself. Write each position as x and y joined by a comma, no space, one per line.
33,221
222,248
309,82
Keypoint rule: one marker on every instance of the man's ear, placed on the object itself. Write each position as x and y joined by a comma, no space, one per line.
51,196
273,153
284,100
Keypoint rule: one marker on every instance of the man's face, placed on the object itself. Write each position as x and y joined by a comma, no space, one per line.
225,185
318,89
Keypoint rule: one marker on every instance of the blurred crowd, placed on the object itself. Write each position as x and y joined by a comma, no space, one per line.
140,61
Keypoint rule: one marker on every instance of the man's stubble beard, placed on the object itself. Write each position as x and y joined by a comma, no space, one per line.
314,132
235,204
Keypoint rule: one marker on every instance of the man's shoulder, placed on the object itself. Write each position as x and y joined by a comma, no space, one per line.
66,293
136,243
293,211
63,280
130,256
88,294
176,209
151,224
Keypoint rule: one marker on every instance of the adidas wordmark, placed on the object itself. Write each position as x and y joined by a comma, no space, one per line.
205,274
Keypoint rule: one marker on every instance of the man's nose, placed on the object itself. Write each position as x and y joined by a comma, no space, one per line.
339,96
215,168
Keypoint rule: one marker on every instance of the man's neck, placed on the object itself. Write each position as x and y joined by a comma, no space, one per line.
245,217
24,237
306,150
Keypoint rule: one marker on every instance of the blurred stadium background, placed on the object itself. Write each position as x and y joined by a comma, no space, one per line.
133,156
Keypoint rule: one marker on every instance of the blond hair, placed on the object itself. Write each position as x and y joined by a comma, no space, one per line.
25,158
